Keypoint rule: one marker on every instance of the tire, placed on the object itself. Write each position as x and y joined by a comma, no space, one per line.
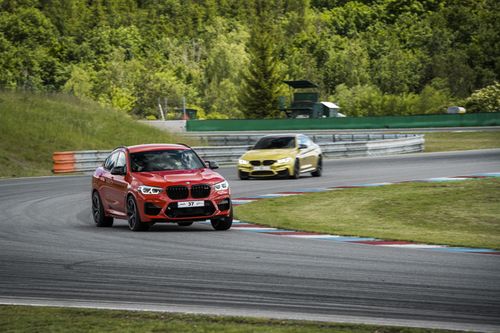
319,168
184,224
100,218
242,176
296,170
134,219
223,223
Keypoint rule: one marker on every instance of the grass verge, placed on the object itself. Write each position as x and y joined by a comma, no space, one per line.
460,213
33,126
49,319
451,141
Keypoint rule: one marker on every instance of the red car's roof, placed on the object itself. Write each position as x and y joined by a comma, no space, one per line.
155,146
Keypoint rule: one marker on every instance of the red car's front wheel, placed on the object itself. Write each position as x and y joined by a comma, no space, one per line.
134,219
223,223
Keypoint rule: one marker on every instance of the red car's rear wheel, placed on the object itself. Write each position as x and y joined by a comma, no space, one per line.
100,218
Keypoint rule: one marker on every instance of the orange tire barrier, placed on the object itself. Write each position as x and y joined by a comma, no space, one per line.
78,161
64,161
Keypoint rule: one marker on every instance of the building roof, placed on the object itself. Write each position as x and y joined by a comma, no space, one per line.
301,84
330,105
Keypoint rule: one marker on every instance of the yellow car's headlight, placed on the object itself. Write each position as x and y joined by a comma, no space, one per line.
240,161
284,160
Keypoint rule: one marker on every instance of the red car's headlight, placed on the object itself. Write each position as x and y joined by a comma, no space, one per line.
150,189
222,186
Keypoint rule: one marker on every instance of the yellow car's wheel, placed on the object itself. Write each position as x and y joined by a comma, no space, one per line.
319,168
296,170
243,175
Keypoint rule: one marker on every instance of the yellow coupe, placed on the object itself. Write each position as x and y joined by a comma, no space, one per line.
286,155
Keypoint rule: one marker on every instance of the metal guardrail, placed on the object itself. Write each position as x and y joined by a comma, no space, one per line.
251,139
359,145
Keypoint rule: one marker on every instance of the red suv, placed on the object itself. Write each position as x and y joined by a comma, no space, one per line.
153,183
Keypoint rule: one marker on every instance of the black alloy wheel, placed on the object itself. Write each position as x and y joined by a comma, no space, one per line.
100,219
223,223
296,170
134,219
243,175
319,168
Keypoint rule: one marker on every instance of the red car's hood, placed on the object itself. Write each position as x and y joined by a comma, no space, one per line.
171,177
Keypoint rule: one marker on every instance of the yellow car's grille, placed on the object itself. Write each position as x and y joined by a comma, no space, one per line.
265,162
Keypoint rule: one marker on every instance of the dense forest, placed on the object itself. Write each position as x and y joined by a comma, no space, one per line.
228,58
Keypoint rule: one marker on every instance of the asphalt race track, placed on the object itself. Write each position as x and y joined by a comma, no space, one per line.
51,253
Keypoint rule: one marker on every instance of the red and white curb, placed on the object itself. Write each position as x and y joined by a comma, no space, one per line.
250,227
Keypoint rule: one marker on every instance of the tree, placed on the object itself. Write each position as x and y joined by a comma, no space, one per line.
397,72
229,56
80,82
27,44
350,66
262,82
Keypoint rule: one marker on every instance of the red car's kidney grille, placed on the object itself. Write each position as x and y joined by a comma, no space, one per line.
200,191
177,192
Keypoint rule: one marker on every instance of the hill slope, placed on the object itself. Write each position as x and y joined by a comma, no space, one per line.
33,126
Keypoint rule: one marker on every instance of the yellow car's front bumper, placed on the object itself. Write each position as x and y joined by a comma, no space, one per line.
273,170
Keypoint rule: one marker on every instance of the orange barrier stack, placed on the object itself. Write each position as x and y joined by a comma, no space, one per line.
64,161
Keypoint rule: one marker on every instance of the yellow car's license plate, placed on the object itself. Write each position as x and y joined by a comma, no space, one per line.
262,168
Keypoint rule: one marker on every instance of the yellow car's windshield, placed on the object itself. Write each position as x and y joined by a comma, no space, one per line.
285,142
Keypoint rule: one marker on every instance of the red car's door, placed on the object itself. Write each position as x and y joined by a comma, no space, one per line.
104,179
117,187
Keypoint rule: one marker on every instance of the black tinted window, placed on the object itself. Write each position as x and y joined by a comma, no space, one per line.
276,143
161,160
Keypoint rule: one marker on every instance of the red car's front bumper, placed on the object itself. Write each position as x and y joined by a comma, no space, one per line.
160,208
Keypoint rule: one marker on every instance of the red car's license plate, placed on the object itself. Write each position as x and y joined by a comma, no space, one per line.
189,204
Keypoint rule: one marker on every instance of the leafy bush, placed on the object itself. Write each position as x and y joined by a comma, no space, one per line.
485,100
369,100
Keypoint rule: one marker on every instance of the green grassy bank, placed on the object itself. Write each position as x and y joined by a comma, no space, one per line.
33,126
46,319
461,213
451,141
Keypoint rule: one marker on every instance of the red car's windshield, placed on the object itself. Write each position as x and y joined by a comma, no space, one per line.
161,160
